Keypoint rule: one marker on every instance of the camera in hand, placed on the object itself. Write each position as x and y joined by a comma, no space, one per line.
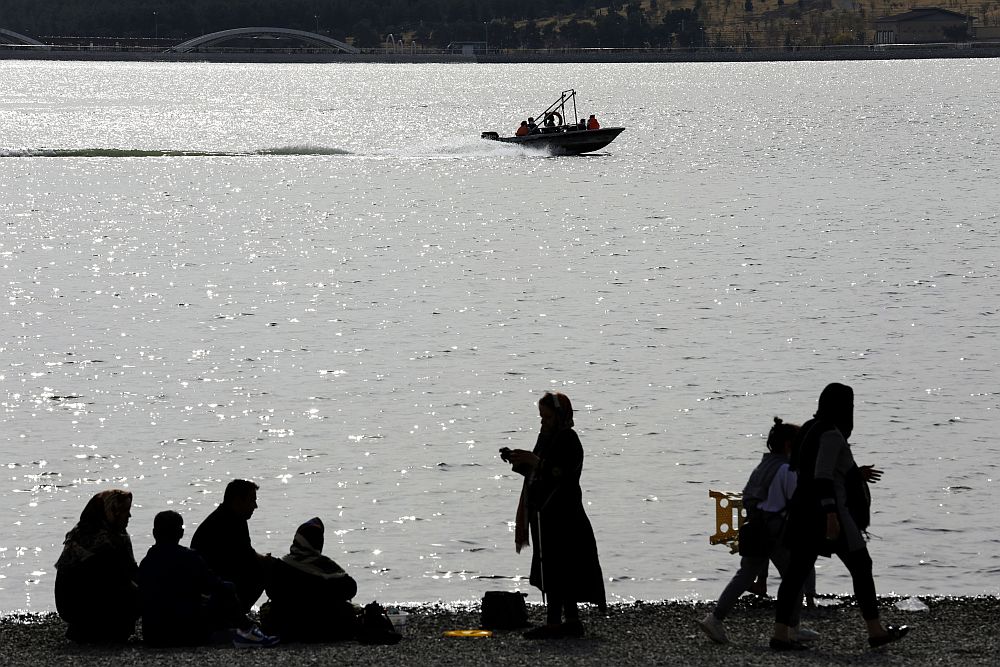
521,469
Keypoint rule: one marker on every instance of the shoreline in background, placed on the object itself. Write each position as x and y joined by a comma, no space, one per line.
951,630
540,56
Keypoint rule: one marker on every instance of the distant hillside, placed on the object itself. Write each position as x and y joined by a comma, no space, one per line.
505,24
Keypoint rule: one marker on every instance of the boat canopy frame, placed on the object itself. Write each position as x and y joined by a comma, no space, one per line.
559,106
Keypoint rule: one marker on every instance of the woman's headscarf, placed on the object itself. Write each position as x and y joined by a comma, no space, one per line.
306,552
836,405
97,531
561,405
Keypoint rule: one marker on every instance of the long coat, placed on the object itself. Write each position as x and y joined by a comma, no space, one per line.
826,468
564,560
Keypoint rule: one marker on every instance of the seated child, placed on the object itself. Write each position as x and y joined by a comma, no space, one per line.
183,601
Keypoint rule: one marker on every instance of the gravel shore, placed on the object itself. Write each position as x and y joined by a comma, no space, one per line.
952,631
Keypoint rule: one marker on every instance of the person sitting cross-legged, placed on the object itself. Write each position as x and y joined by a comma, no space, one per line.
309,593
95,588
183,601
223,540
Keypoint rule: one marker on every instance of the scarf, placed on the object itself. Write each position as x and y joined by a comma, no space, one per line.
305,554
96,533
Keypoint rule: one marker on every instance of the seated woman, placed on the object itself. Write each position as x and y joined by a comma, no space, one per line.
96,591
309,593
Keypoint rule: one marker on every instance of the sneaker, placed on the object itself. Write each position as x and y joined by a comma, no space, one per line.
714,628
253,638
893,633
801,634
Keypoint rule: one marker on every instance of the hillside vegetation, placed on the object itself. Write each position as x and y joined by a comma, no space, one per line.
505,24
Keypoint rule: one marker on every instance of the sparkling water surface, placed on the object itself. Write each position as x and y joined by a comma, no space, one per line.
319,277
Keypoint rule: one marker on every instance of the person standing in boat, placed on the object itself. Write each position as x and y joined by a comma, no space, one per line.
551,517
592,123
522,130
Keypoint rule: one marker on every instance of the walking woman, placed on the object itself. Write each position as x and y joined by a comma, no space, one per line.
564,562
828,514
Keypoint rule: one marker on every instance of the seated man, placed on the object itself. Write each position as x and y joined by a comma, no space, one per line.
309,593
183,602
532,127
592,123
522,130
223,540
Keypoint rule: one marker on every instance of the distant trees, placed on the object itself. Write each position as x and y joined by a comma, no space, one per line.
685,26
512,23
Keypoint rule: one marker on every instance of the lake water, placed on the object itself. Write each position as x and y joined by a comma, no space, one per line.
346,295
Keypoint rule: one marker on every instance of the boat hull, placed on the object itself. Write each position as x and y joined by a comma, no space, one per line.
569,142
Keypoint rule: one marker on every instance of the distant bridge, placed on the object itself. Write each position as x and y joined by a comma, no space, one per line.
217,38
18,39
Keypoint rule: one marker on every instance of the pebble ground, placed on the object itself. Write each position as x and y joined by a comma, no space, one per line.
952,631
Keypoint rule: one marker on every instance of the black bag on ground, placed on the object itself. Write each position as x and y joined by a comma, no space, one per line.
376,628
504,610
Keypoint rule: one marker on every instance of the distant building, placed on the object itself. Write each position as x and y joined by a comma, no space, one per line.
468,48
927,25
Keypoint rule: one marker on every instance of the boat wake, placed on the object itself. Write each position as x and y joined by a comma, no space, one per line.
464,147
443,148
304,150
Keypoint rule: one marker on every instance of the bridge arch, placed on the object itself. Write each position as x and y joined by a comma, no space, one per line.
18,38
216,38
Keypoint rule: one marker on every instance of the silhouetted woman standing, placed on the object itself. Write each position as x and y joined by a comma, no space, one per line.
564,562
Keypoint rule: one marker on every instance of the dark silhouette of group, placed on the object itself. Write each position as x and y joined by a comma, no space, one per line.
807,498
549,125
203,594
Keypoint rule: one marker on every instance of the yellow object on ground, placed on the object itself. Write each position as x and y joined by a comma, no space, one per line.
468,633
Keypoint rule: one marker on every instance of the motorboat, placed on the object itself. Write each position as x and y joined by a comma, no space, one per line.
557,136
